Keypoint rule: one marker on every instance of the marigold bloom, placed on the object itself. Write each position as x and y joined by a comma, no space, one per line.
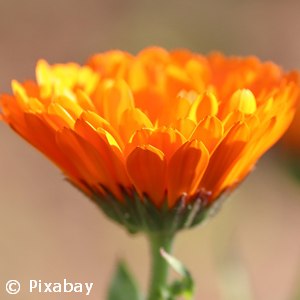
168,128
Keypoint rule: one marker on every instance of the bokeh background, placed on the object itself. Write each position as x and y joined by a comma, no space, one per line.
49,231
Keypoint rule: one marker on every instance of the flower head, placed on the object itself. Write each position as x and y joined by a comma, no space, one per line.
169,129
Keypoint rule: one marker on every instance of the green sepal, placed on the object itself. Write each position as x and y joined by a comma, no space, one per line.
123,285
183,287
141,215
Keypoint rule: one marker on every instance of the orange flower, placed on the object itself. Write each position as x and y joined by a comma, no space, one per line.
169,126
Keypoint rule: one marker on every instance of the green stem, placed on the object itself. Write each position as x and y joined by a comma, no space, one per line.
159,267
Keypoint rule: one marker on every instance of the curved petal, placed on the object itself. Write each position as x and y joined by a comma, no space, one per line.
98,122
209,131
147,168
185,170
112,98
167,140
185,127
224,158
205,105
89,162
111,155
44,139
132,120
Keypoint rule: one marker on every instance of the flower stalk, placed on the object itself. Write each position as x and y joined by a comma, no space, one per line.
159,266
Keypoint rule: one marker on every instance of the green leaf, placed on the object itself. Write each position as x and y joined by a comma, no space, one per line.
123,285
183,287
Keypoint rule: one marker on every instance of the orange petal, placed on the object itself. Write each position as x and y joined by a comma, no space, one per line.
150,102
85,101
185,127
12,113
242,100
209,131
261,141
98,122
168,140
57,110
69,105
146,167
68,143
139,138
35,106
225,157
177,108
87,160
198,70
132,120
137,77
233,118
111,64
186,169
20,94
44,78
114,99
205,105
110,154
177,80
43,138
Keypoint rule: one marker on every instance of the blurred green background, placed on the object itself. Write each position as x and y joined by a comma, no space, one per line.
49,231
